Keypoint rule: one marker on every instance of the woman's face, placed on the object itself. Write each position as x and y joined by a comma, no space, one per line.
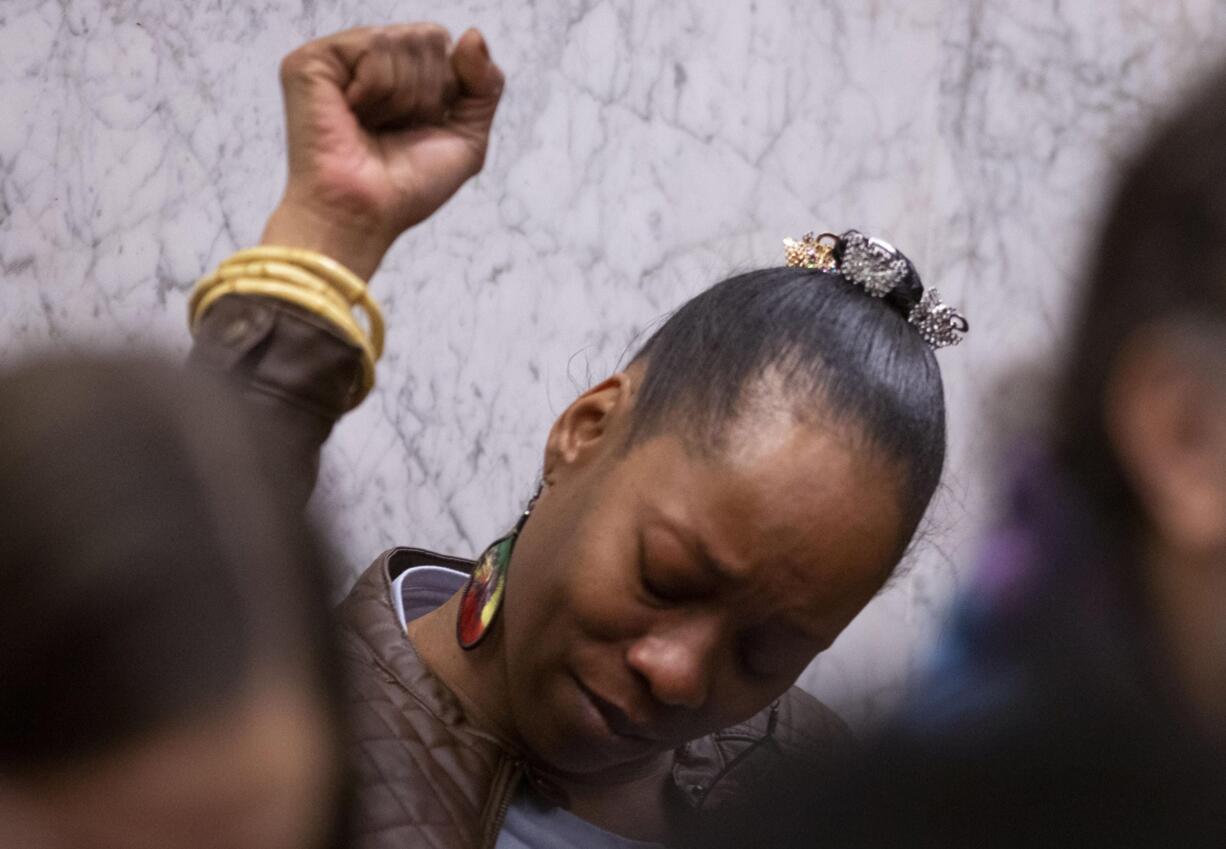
260,775
658,594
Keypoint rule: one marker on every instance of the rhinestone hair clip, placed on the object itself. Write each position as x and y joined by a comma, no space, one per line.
879,269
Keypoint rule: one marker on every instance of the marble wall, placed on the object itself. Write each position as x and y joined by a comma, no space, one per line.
644,149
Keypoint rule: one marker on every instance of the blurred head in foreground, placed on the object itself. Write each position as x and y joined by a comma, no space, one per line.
166,677
1140,419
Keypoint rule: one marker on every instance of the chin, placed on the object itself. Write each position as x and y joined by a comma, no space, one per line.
565,731
575,758
567,746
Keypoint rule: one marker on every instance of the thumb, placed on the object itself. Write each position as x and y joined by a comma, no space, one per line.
478,76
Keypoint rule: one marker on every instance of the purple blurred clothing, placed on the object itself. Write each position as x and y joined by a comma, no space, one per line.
1054,602
1048,717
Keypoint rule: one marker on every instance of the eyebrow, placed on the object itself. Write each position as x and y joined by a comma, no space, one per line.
713,565
694,546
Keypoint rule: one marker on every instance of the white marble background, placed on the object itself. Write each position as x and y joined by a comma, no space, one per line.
644,150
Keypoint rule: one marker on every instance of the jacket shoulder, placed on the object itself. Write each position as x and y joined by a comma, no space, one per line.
746,783
796,736
422,774
808,729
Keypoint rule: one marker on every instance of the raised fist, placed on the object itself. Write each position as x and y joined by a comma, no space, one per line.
384,124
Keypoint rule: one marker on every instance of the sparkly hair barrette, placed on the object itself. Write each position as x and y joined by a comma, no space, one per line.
881,271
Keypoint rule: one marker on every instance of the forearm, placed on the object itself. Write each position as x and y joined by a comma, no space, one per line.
299,370
284,326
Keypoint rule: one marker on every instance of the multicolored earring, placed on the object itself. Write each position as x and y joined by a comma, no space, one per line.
483,594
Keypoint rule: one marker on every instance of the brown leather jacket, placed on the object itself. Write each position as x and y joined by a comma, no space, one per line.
427,776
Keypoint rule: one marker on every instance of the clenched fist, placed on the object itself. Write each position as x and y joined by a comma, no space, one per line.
384,124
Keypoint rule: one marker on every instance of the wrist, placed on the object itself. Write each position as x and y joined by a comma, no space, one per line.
358,248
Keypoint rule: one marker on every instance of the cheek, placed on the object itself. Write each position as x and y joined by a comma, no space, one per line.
577,610
575,558
573,592
607,602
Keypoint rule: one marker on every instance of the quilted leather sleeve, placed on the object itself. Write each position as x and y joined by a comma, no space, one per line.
298,373
745,784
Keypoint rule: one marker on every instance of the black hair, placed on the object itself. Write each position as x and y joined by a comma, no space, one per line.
1160,257
147,569
837,351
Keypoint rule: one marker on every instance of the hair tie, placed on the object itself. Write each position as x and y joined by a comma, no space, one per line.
882,271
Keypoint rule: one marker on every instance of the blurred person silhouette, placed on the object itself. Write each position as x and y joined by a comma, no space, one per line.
1078,696
618,670
168,677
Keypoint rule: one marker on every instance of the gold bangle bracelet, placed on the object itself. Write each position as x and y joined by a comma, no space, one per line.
276,270
311,301
309,280
342,321
350,286
266,271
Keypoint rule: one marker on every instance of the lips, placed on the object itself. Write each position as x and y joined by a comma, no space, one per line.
615,718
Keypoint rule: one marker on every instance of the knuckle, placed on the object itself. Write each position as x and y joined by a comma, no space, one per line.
427,41
434,35
438,42
292,64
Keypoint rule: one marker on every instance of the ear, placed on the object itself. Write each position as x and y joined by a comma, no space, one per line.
593,422
1166,414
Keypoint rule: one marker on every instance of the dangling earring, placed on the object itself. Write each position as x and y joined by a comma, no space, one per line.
483,594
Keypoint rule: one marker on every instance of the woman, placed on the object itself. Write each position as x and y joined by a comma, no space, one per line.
168,674
1079,697
618,669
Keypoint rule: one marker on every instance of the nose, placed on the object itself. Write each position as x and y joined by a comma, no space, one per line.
678,663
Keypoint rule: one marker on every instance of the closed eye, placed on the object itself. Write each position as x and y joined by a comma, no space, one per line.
658,594
668,579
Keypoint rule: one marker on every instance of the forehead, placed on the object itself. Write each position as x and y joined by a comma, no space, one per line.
804,516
